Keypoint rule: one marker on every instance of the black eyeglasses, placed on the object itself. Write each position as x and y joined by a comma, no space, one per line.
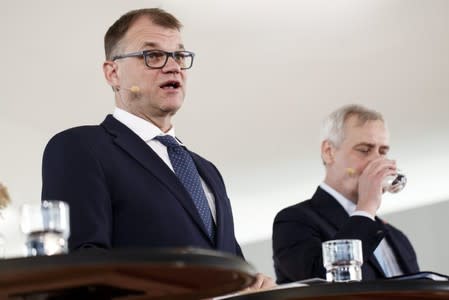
157,59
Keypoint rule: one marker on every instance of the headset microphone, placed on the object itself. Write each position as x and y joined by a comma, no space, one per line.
134,89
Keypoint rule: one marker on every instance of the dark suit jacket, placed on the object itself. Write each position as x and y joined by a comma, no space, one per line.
299,230
121,194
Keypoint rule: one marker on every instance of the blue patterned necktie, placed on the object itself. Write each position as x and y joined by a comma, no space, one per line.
187,173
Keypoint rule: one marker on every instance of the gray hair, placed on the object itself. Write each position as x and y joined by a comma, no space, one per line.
333,126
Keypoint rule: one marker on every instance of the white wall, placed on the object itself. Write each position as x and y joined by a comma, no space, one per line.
266,74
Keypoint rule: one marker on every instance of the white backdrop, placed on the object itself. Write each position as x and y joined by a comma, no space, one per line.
265,75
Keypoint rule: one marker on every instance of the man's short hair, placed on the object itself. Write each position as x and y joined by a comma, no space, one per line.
333,125
118,30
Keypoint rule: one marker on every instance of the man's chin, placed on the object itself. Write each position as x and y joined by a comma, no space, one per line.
170,109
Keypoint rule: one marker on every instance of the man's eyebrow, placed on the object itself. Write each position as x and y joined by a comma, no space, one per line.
156,45
364,144
369,145
150,45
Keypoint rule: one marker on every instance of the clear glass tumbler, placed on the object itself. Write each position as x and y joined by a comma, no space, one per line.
395,183
2,246
343,260
46,226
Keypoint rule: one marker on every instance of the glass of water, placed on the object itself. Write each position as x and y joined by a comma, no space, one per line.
395,183
343,260
46,226
2,246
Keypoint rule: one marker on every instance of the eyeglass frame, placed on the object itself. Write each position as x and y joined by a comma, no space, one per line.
145,53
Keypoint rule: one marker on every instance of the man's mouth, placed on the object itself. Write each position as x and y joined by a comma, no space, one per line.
171,84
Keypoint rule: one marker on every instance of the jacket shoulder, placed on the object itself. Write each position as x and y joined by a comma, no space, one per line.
295,211
88,134
79,131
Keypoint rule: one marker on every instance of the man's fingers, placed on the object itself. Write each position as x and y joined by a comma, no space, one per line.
258,283
262,282
268,283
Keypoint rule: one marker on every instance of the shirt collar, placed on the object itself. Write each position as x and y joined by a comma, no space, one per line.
347,204
143,128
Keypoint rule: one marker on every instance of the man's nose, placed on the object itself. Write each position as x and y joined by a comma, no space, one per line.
376,154
171,66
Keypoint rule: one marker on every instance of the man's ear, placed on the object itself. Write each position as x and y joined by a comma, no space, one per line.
110,74
327,152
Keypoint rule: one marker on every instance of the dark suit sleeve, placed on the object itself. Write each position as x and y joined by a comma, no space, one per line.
238,250
72,173
296,248
297,238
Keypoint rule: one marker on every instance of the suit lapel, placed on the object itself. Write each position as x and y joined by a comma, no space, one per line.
396,246
329,208
373,260
375,264
143,154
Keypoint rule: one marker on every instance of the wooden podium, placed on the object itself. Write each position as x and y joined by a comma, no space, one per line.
185,273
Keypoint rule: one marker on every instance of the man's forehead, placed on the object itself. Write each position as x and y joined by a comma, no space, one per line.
145,31
370,132
151,44
354,122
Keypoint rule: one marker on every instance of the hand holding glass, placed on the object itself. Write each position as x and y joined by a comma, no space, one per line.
343,260
46,226
392,183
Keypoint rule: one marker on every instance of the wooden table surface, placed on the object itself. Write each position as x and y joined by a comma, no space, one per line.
184,273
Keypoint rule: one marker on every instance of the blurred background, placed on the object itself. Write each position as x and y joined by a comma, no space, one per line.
265,76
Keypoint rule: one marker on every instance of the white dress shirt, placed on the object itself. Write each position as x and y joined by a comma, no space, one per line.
383,253
147,131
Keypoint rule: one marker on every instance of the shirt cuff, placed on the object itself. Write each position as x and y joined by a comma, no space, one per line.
363,214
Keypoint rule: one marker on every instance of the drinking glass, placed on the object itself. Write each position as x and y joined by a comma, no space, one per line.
394,183
46,226
2,246
343,260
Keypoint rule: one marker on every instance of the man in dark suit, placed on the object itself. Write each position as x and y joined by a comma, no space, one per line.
354,147
129,181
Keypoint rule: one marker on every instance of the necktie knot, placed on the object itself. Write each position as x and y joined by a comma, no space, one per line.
168,141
